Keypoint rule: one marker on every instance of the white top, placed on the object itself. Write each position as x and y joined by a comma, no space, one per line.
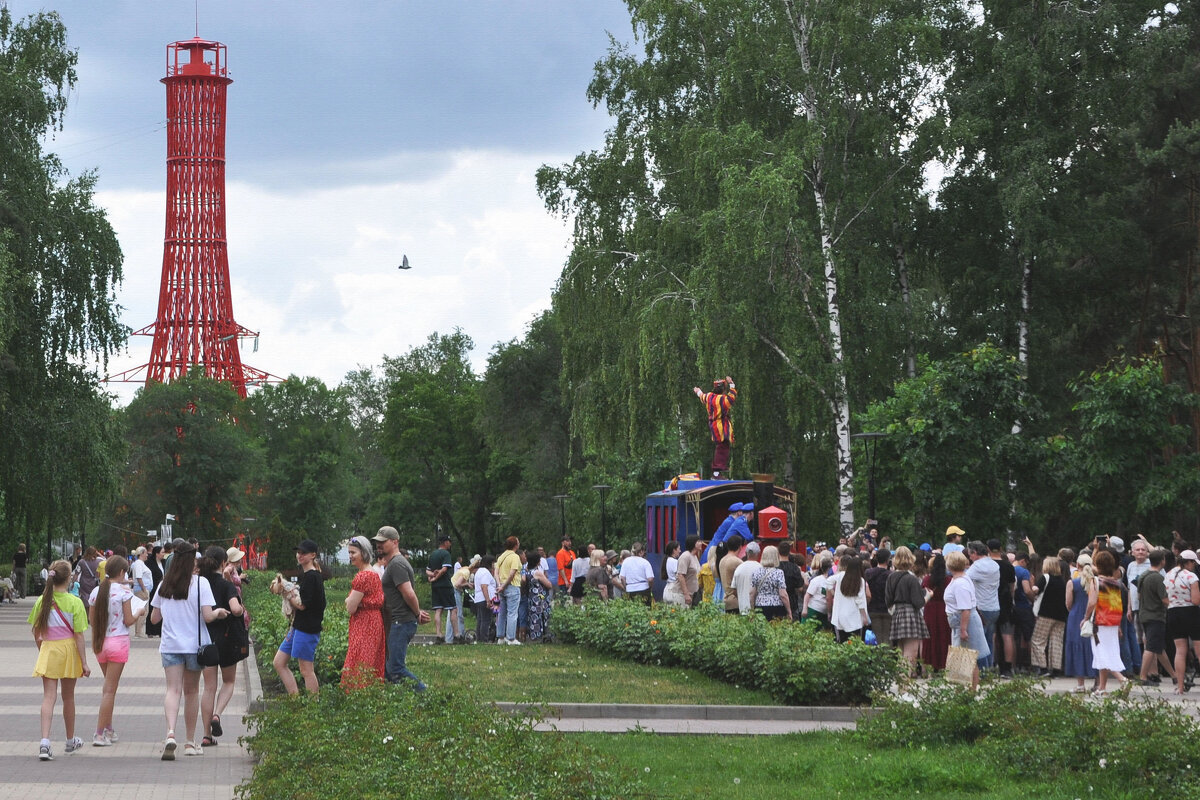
580,567
743,582
672,569
960,596
985,574
1179,587
142,577
818,586
118,593
846,612
1132,573
183,629
638,574
484,578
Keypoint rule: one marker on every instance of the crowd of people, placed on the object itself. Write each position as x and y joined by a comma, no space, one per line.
190,601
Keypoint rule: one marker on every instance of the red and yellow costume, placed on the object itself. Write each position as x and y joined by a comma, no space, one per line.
719,406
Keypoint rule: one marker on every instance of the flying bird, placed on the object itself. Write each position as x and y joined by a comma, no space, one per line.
404,264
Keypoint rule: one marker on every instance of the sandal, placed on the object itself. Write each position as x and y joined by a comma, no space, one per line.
215,726
191,749
208,741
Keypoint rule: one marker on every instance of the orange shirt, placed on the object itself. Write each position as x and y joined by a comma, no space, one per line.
565,558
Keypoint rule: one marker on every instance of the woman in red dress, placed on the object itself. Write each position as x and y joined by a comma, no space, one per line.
933,649
365,655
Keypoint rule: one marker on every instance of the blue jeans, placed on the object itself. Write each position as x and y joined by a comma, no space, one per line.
450,632
989,619
399,635
512,605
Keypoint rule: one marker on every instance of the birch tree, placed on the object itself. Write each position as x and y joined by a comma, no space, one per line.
760,154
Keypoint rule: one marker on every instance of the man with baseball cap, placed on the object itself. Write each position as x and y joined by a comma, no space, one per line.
953,543
403,609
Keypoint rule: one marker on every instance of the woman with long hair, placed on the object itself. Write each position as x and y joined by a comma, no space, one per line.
540,587
87,573
485,592
58,620
667,571
1046,644
1107,601
904,597
599,579
1077,655
111,613
183,601
935,647
228,641
366,653
1183,613
155,563
849,605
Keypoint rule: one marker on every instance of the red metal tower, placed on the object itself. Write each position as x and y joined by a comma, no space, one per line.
195,324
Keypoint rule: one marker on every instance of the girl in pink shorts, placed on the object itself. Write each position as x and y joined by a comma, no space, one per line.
111,612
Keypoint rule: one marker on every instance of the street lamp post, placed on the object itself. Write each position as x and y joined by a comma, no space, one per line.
603,490
562,510
870,439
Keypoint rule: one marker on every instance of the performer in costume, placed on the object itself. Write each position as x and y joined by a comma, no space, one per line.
719,404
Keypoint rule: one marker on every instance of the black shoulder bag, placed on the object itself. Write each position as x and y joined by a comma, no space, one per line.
208,655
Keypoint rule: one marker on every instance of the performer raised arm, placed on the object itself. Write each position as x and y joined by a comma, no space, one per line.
719,404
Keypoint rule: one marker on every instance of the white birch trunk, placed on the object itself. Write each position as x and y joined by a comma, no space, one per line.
839,398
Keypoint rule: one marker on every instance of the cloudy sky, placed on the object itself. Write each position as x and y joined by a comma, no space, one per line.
357,132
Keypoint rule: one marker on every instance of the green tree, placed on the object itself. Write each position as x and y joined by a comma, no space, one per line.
1127,466
524,421
741,219
951,452
191,455
59,263
303,430
436,474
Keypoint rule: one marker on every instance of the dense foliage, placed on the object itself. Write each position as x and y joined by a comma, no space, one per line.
383,742
59,264
1131,746
797,663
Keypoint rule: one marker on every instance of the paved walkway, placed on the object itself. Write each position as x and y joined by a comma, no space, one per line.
129,770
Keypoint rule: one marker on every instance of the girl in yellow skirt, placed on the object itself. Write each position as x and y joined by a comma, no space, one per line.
59,620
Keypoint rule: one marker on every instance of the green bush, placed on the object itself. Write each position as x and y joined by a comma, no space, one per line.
386,742
1130,744
797,664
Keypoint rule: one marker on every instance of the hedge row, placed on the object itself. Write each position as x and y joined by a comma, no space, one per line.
797,663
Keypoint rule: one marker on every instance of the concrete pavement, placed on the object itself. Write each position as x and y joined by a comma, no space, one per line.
131,769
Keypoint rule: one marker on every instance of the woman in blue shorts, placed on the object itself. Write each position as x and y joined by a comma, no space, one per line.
305,634
183,601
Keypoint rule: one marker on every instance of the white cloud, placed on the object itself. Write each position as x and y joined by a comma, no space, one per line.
315,272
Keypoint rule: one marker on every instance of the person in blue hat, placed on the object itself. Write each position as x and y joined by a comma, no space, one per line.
735,513
926,547
743,524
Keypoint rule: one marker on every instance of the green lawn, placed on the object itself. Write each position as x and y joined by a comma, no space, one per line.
819,765
567,674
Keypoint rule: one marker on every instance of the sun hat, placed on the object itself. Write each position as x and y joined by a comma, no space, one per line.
234,555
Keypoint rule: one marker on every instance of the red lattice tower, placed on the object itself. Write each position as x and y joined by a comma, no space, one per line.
195,324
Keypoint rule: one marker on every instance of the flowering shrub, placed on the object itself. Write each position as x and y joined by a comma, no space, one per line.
797,664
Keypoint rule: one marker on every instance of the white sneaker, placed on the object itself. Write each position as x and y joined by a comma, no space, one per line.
44,753
101,740
73,745
513,641
112,735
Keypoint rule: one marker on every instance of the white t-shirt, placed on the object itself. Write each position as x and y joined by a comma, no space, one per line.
484,578
1179,587
672,569
142,577
846,612
579,569
985,574
960,596
638,574
1132,573
118,593
181,618
743,582
818,587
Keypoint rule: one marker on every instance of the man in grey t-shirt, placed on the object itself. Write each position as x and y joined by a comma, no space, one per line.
402,606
